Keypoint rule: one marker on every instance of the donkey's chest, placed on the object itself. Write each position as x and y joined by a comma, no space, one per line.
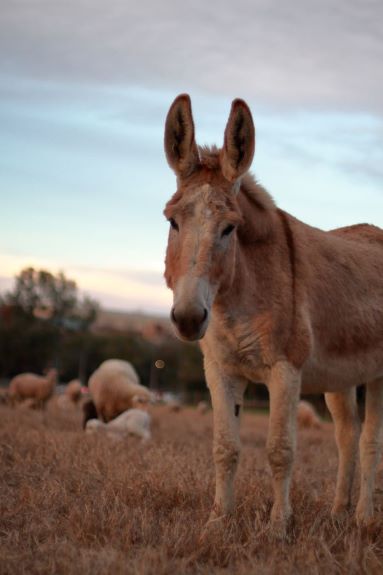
239,350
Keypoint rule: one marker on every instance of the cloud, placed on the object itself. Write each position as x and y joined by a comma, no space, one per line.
300,53
84,89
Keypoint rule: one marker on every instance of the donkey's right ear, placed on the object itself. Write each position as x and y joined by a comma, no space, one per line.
180,147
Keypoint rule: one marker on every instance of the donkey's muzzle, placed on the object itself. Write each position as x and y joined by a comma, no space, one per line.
190,322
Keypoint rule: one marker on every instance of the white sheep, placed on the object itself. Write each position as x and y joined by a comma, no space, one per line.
31,386
73,391
131,422
307,417
114,387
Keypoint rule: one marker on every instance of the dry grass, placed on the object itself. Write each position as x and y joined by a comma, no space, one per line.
72,503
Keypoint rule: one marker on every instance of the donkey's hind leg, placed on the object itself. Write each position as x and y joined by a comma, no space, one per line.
370,448
344,412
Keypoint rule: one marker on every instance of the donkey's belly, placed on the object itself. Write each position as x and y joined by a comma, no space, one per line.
326,374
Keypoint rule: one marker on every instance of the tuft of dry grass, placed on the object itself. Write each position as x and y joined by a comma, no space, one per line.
77,504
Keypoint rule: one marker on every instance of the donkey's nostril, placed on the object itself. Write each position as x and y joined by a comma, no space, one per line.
189,320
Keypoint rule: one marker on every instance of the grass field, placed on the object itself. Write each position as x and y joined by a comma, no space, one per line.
77,504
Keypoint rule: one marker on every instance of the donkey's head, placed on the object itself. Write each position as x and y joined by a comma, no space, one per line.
204,212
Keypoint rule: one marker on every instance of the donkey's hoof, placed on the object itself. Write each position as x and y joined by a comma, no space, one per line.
339,513
279,523
278,530
364,516
214,527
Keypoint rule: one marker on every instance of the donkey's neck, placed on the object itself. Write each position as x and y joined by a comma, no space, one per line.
261,252
258,212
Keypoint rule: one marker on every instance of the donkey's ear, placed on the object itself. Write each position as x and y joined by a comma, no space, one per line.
239,143
180,147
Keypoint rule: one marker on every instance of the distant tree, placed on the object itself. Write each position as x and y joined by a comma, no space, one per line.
36,316
54,298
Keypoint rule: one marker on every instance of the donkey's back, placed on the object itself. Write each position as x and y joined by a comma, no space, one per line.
360,232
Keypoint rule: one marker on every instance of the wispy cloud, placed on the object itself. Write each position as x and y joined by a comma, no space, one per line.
343,141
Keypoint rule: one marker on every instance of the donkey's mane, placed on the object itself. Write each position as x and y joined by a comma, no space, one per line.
256,193
210,158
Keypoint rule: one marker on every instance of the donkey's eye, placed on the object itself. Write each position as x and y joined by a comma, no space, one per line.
227,231
173,223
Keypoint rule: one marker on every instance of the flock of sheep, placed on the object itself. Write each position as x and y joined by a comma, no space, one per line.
115,404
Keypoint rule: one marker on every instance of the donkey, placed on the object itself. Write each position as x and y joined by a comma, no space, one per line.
272,300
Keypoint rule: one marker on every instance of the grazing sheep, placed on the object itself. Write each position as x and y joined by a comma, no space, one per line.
114,388
35,387
307,417
130,422
4,397
174,406
202,407
73,390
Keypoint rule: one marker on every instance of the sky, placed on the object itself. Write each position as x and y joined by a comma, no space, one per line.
85,86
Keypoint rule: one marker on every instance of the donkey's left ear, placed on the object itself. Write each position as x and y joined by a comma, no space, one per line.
239,143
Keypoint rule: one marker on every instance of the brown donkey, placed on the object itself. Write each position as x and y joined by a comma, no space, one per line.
273,300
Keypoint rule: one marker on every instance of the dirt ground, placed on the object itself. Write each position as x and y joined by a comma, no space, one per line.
71,503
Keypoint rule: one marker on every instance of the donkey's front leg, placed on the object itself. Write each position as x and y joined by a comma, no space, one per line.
284,389
227,400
